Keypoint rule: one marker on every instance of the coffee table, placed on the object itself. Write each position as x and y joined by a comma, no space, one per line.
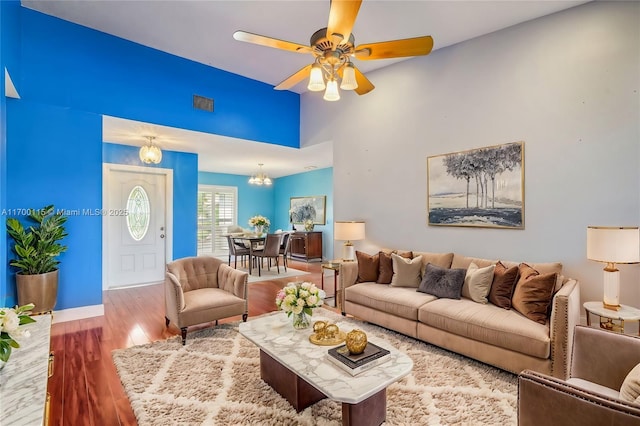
300,371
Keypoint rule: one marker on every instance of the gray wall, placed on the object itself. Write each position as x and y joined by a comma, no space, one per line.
566,84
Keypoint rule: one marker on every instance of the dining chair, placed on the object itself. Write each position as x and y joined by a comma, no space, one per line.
236,249
284,248
270,251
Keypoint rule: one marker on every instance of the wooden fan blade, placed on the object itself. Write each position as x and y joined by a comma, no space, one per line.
364,85
417,46
342,16
295,78
270,42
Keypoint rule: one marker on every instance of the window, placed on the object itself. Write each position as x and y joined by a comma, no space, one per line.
217,211
138,213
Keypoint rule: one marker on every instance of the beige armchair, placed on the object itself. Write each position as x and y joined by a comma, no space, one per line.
590,396
203,289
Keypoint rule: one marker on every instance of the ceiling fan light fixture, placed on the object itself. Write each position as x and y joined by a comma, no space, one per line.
332,94
316,80
349,81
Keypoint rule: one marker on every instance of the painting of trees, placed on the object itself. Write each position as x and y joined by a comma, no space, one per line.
492,191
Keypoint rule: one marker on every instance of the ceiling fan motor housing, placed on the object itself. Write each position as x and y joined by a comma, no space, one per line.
321,44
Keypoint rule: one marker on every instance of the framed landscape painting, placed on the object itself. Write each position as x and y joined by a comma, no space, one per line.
481,187
304,208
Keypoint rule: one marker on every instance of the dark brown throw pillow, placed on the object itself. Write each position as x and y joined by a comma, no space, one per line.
504,281
533,293
385,273
368,266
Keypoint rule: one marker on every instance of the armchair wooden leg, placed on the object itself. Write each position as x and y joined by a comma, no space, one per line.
183,331
166,321
244,317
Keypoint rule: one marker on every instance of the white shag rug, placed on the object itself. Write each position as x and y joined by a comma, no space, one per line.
215,380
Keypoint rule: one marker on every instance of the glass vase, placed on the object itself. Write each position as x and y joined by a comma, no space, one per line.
300,321
259,229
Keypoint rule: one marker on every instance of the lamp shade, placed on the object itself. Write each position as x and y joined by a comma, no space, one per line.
348,231
613,244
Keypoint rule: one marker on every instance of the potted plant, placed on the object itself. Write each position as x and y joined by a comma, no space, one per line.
37,248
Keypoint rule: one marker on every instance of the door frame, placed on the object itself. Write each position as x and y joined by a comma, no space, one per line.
107,169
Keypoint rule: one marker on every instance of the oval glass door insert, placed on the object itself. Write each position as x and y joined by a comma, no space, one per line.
138,213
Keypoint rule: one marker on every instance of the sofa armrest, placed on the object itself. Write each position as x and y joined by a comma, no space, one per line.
545,400
347,276
233,281
603,357
565,315
173,297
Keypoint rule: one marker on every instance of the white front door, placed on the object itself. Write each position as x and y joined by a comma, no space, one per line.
135,231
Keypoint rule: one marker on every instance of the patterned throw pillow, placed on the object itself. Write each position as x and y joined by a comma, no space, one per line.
442,282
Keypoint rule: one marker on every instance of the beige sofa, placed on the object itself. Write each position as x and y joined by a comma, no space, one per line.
500,337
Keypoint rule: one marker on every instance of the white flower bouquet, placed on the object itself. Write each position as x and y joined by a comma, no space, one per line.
296,298
10,321
259,220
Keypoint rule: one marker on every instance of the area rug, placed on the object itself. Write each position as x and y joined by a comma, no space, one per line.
215,380
272,274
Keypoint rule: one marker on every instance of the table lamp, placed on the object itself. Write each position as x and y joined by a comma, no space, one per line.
613,245
348,231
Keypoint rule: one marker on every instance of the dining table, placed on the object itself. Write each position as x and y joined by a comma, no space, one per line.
253,241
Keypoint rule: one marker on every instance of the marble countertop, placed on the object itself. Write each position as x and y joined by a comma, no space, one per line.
23,380
275,335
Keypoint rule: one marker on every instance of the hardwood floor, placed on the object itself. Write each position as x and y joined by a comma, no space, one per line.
85,388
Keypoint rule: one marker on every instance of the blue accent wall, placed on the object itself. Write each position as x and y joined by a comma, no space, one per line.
9,36
70,65
252,199
316,182
55,157
185,190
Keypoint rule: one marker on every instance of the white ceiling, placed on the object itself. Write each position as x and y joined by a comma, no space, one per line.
202,31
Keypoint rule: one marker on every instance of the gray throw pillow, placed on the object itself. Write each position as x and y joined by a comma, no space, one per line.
442,282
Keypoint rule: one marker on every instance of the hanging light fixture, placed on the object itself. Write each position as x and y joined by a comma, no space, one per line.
260,178
150,153
330,68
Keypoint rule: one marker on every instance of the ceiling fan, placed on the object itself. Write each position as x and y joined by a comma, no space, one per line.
333,47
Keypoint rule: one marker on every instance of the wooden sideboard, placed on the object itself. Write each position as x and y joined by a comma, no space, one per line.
306,245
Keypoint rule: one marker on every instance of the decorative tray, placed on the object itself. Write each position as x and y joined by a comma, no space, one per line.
342,336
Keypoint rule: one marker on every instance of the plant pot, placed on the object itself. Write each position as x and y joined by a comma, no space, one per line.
41,290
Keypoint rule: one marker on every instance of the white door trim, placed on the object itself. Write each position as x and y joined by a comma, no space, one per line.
168,173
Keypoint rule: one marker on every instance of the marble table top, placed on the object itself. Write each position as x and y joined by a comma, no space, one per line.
275,335
23,380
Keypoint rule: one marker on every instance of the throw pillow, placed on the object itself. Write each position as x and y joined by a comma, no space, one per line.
367,267
406,272
630,389
442,282
504,281
533,293
477,282
385,272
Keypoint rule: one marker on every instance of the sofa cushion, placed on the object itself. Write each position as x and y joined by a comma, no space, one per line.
477,282
533,293
406,272
442,260
442,282
460,261
630,389
400,301
386,266
488,323
368,267
504,281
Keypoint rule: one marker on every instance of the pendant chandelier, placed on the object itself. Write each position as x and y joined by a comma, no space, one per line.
150,153
260,178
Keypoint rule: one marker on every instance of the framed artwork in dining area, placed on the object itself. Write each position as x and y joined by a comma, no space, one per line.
312,208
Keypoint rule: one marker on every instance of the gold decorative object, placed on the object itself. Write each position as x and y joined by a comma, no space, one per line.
326,334
356,341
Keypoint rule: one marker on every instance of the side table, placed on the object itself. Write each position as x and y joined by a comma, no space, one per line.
610,319
334,265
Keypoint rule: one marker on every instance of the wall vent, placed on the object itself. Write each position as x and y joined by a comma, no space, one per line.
200,102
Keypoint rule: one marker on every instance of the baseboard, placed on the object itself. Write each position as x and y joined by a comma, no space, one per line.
74,314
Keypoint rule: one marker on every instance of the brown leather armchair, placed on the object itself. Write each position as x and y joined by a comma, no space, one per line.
600,362
203,289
